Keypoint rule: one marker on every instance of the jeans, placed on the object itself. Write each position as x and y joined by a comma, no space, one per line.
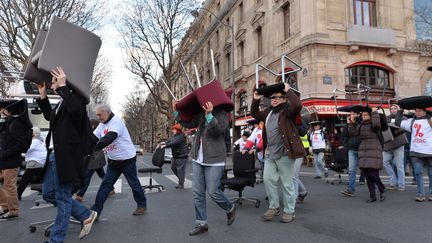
372,178
299,188
130,173
60,194
418,173
352,169
99,171
178,167
207,178
319,163
281,169
395,156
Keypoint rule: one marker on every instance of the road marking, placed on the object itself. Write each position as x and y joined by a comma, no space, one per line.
173,178
27,192
118,186
43,205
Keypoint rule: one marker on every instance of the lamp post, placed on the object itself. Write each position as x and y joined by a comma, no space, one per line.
195,13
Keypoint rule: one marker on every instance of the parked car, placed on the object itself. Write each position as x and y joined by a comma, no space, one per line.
138,149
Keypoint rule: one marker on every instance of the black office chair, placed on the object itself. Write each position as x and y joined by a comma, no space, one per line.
158,161
50,222
339,164
244,175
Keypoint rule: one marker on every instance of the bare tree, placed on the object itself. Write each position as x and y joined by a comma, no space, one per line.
135,117
152,30
423,18
101,78
21,20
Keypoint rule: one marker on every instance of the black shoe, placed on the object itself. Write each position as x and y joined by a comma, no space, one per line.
371,200
301,198
199,229
179,186
326,174
383,196
317,177
231,215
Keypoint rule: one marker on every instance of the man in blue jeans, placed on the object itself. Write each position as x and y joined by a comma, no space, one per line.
115,139
209,154
66,166
351,143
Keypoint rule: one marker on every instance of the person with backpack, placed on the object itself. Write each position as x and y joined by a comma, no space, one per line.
35,160
15,138
114,137
96,164
420,127
370,149
318,142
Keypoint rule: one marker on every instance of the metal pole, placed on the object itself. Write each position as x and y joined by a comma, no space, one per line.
232,84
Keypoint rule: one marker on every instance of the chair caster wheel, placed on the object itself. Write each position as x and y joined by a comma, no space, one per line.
32,229
328,182
47,233
257,204
332,183
340,182
37,204
239,202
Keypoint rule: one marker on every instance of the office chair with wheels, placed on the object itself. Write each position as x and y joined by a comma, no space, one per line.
339,164
158,161
50,222
244,175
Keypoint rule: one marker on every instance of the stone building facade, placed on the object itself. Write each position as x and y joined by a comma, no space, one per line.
339,44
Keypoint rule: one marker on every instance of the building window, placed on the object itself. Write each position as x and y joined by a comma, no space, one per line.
259,41
372,76
243,101
365,12
218,7
241,53
217,70
228,64
217,38
208,50
240,12
287,21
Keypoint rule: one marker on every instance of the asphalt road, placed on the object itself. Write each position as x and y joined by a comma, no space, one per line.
325,216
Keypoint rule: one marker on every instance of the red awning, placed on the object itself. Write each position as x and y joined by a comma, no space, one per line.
371,63
328,107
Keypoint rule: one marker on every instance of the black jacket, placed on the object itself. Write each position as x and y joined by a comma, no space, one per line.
10,144
179,148
350,142
67,128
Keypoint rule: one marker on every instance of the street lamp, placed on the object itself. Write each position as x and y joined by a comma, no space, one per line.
195,14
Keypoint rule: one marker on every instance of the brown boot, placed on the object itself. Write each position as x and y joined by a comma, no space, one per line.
139,211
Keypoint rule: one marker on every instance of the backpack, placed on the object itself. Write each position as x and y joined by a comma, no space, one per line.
158,157
27,139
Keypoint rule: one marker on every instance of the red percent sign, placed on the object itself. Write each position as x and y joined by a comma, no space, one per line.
417,128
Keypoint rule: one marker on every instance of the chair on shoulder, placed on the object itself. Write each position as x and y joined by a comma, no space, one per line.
339,164
244,175
50,222
158,162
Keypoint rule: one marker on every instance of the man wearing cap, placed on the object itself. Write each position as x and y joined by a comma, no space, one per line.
318,141
180,152
12,132
282,145
421,142
393,154
65,167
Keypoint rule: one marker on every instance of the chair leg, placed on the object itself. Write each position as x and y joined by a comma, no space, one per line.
151,186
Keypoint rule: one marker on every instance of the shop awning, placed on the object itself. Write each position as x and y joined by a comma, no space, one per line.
328,107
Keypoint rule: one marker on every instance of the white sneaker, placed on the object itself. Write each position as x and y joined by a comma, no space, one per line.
87,225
